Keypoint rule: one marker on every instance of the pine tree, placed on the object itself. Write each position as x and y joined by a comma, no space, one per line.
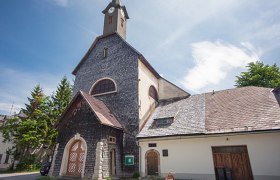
33,130
59,102
37,97
62,97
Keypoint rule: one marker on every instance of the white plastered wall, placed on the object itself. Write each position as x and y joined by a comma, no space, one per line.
192,157
146,103
167,90
3,149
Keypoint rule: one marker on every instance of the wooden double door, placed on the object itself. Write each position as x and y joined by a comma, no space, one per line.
76,159
233,161
152,160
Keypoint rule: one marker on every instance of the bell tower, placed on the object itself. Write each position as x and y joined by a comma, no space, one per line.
115,18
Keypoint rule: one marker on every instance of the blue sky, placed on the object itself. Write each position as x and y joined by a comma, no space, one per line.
199,45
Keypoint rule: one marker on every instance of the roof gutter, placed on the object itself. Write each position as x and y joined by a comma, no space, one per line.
206,135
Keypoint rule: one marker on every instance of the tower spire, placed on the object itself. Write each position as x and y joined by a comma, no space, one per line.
115,18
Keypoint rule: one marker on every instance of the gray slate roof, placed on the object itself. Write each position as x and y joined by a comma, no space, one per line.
188,117
243,109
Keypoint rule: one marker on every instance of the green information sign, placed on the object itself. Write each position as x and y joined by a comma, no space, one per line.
129,160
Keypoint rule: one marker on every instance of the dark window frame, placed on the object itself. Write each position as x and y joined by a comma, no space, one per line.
163,122
103,86
122,21
153,93
110,19
152,145
112,140
165,152
105,52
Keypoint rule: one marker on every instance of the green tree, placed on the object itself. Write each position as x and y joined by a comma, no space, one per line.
260,75
34,134
59,102
37,122
29,133
62,97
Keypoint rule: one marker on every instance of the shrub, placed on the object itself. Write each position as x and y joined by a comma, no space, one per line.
28,164
136,175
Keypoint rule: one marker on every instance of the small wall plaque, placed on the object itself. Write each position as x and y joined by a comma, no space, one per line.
129,160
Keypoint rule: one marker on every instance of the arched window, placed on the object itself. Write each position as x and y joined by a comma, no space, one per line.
103,86
153,93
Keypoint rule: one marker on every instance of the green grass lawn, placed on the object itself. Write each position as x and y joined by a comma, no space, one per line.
44,178
19,171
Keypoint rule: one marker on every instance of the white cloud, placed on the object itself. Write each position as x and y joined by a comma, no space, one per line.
215,60
87,29
18,86
170,40
185,15
10,108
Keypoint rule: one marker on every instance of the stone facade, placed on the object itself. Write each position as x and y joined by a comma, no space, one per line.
121,65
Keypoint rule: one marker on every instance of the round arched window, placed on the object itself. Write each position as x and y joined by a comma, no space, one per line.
153,93
103,86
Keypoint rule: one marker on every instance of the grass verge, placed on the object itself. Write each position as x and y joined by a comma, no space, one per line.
19,171
44,178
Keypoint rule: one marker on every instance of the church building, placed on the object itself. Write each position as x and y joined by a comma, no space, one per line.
125,118
115,91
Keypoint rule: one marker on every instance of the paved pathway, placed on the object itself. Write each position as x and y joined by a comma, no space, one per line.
20,176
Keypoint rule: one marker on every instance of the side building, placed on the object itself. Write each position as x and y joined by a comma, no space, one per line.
228,134
5,159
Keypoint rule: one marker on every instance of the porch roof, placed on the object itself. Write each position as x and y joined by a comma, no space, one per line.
103,114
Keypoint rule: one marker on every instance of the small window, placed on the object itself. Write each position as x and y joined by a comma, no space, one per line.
110,19
163,122
164,152
153,93
152,144
103,86
105,52
7,159
112,140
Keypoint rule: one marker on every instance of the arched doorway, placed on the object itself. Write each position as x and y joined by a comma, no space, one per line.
76,159
152,163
